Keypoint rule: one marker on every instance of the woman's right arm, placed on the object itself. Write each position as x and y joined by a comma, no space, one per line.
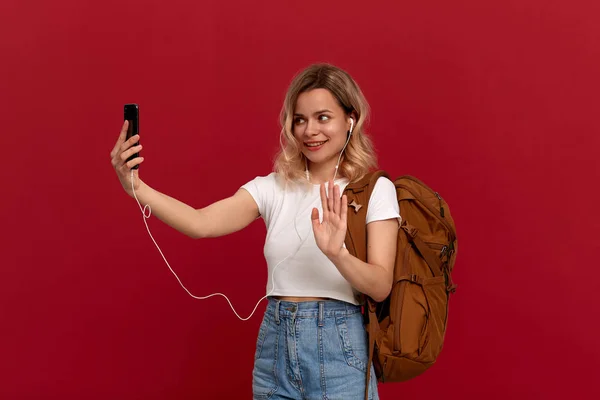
220,218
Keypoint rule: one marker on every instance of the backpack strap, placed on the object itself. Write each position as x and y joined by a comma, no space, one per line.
373,327
358,194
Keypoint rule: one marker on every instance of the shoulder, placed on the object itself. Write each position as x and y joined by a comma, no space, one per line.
384,181
272,182
383,203
384,187
262,180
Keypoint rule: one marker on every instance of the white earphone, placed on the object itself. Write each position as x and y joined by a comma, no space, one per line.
149,212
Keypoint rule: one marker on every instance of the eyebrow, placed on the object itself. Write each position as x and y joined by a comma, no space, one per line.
315,113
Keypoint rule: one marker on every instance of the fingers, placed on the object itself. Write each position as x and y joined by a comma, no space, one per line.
120,139
123,149
129,152
124,128
331,201
337,202
314,216
132,163
344,210
119,159
130,142
330,197
124,167
324,200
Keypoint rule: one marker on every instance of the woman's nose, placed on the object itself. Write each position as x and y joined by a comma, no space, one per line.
311,128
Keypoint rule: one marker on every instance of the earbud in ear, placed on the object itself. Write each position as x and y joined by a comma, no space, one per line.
351,126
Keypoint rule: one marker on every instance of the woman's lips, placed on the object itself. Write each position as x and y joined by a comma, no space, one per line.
314,146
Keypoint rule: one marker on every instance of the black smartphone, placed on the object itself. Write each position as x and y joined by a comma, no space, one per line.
131,113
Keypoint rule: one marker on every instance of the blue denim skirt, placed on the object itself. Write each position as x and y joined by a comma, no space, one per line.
312,350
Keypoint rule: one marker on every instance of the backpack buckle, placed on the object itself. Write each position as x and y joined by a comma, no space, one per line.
416,279
410,230
356,206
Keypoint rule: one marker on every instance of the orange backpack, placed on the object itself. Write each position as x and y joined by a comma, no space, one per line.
406,331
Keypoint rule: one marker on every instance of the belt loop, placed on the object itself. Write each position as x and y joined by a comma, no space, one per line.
277,311
321,316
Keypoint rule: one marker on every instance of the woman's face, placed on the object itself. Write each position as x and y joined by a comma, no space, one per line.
320,125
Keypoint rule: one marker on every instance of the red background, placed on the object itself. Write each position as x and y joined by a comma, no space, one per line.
492,103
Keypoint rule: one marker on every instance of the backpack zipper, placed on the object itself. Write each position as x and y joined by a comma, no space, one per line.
441,206
442,248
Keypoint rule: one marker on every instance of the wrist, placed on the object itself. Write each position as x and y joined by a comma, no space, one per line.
141,190
340,256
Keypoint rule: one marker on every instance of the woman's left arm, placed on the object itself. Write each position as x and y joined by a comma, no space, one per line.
374,277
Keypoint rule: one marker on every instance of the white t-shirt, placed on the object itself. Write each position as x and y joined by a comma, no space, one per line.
301,269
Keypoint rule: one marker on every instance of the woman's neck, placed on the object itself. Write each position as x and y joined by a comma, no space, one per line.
322,172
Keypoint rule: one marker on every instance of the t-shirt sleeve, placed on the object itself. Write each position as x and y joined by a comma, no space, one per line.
261,190
383,203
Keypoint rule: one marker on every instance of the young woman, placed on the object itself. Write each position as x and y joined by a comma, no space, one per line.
311,343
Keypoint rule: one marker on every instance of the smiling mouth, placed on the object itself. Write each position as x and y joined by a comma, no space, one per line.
316,144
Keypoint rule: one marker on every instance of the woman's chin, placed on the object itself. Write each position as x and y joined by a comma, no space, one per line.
319,159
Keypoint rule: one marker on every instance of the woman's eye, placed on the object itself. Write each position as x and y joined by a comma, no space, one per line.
323,117
298,121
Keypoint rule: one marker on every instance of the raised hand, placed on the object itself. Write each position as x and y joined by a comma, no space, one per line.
122,150
331,232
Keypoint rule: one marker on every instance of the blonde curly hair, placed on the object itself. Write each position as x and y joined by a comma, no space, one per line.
359,156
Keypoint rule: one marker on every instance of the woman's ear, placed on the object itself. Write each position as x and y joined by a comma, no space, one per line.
354,116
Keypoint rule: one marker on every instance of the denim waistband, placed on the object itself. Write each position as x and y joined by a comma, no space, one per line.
310,309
